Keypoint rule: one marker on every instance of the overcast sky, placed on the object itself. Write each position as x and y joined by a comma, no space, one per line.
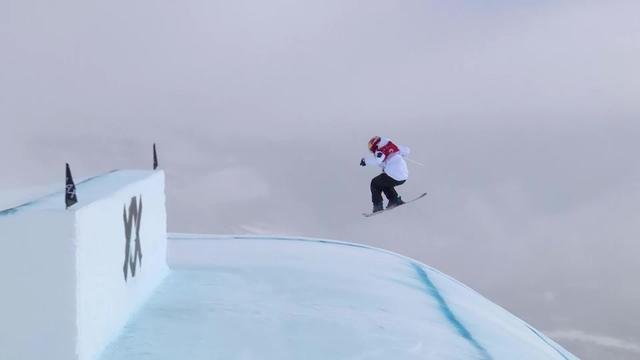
525,113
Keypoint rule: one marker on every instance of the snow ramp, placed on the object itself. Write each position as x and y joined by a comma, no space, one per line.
72,278
92,282
263,297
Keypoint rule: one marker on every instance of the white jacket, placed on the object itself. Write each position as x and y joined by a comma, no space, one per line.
393,165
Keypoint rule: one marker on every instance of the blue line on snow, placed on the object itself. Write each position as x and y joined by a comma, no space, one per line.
446,310
15,209
546,341
7,212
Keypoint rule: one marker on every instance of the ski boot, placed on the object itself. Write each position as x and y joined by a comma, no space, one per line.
377,207
395,202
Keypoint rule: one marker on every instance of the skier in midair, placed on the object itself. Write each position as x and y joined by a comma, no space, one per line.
390,157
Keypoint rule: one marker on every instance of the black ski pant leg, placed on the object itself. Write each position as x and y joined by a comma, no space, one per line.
384,183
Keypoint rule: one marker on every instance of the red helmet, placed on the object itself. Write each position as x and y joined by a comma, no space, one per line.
373,143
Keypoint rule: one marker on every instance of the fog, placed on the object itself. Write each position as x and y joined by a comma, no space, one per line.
524,113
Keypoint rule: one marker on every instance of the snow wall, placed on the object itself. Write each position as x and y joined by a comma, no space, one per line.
72,278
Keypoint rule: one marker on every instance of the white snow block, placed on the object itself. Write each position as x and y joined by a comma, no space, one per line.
72,278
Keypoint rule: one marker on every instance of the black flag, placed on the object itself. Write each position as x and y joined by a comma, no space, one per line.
155,157
70,197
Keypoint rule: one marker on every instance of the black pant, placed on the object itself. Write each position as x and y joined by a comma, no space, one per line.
384,183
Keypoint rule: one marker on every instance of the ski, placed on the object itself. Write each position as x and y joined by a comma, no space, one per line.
406,202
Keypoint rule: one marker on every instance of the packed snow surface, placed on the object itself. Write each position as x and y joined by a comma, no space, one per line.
252,297
51,197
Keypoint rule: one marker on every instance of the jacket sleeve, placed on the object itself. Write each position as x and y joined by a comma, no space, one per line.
404,150
375,159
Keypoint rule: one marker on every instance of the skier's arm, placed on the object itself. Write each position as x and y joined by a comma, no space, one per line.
375,159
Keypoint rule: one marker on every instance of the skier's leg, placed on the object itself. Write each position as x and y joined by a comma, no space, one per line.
387,184
377,186
390,191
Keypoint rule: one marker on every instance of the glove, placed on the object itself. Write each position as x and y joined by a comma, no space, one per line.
362,163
